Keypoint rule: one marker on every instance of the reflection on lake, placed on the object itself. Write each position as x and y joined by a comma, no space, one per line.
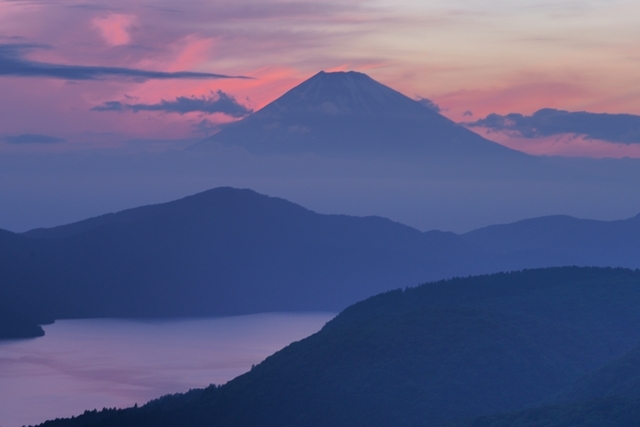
96,363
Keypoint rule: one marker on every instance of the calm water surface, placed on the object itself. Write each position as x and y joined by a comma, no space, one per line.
96,363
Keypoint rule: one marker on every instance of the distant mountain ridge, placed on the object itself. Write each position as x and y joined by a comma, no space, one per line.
349,113
228,251
220,252
565,240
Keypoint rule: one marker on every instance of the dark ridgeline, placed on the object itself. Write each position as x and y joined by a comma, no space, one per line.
562,240
350,114
229,251
430,355
221,252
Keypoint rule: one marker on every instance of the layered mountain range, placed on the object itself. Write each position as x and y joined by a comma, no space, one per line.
228,251
487,349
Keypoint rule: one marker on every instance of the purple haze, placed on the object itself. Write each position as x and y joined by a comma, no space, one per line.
96,363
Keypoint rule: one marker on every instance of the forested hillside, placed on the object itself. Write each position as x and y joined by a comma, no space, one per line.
426,355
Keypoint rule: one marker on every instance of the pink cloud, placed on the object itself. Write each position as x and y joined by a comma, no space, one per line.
524,98
193,51
115,28
454,55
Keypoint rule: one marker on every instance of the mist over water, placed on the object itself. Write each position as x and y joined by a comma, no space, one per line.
94,363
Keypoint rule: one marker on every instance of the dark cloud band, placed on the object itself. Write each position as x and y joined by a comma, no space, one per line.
618,128
13,63
28,138
219,102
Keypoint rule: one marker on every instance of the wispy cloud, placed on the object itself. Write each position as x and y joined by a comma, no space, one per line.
115,28
28,138
430,104
615,128
218,102
13,63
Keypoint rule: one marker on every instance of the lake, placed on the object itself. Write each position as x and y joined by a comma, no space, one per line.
96,363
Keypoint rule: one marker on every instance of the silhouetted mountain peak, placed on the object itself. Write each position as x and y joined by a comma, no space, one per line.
349,113
344,93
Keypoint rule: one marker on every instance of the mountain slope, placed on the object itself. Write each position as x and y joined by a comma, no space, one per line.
607,396
348,113
224,251
607,412
418,357
20,313
620,377
14,325
563,240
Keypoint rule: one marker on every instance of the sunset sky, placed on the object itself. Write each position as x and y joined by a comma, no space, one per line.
80,74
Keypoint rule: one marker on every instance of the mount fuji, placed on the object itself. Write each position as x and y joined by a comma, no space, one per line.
350,114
